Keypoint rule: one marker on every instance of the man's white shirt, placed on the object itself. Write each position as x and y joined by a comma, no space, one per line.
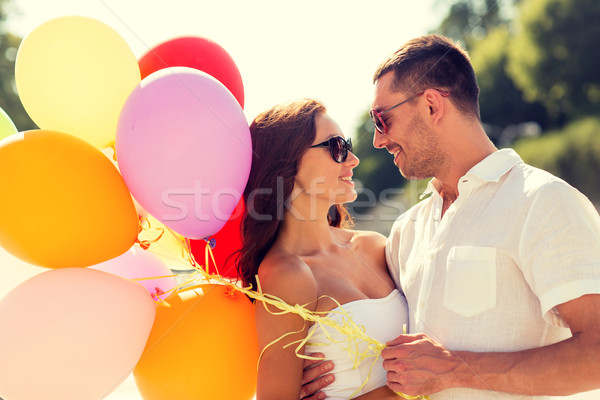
487,276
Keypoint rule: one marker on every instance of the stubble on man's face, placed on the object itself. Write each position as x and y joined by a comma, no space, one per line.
423,157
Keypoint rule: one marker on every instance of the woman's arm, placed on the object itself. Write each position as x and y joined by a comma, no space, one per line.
280,369
381,393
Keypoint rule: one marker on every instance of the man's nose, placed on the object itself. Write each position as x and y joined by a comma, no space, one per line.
379,139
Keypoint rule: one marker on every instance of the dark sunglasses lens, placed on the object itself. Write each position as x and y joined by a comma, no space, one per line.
336,147
377,122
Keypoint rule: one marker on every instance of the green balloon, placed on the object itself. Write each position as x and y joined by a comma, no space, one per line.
7,127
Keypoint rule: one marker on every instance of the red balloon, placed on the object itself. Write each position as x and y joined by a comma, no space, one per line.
199,53
227,241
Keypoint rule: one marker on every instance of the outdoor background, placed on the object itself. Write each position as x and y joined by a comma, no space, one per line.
537,63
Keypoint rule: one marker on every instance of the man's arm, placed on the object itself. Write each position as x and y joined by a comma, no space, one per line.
316,376
417,365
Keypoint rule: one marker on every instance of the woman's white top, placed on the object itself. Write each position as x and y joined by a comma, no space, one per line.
383,319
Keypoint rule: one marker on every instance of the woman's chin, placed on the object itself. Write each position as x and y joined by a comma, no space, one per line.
348,197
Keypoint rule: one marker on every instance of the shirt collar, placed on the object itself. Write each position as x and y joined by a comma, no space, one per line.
490,169
494,166
430,189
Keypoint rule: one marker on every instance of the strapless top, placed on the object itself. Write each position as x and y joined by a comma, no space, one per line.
383,319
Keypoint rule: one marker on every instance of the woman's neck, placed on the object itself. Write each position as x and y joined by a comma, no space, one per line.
305,229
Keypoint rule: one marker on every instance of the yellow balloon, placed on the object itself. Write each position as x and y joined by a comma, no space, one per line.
73,75
204,346
63,203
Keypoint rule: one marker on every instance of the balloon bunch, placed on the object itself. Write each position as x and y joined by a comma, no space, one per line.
132,162
111,229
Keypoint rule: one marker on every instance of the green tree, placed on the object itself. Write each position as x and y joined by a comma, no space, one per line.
554,56
502,104
573,153
9,100
468,21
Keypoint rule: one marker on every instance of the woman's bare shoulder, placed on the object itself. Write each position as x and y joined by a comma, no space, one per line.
286,276
369,238
371,245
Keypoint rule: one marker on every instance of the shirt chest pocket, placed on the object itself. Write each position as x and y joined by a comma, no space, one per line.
470,287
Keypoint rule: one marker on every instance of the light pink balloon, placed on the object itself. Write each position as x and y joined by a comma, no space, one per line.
136,263
71,334
184,150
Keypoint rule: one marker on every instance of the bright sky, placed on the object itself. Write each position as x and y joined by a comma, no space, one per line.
324,49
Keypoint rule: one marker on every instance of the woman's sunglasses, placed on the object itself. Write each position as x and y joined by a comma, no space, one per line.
338,147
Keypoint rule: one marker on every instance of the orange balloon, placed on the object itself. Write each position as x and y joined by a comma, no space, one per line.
63,203
204,346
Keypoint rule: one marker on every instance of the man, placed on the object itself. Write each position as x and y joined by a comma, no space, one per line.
500,265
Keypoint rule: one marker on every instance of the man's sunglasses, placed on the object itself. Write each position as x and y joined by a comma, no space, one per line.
338,147
377,118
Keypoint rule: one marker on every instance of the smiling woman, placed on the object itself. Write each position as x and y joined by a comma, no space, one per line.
298,244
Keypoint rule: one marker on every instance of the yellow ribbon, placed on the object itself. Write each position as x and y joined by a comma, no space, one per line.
353,333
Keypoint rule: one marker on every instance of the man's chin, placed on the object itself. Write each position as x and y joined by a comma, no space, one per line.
412,176
404,174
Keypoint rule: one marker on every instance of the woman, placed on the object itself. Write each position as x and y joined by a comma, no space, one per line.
295,239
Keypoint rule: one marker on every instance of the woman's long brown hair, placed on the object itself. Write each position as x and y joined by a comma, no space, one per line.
280,136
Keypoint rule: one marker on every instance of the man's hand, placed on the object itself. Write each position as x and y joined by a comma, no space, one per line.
315,377
417,365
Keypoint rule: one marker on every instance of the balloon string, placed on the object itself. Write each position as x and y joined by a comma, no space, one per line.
208,253
184,246
353,334
145,244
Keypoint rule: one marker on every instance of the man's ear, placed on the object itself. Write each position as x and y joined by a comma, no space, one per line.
435,104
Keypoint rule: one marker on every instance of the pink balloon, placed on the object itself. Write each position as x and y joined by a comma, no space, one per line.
136,263
71,333
184,150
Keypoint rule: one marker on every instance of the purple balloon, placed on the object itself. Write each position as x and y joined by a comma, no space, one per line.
184,150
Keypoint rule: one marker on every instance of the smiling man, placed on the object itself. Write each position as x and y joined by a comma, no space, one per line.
500,264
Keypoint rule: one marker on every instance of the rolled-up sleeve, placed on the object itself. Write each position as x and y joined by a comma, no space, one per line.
560,247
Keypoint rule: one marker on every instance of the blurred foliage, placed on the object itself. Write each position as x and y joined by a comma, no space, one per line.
484,27
572,153
374,162
502,104
376,174
469,21
554,55
9,100
538,70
